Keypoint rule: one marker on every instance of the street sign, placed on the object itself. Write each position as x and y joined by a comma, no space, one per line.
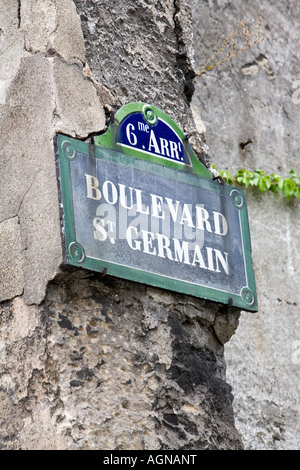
138,203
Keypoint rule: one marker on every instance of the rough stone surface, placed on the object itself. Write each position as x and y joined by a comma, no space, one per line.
251,111
155,57
44,90
88,362
107,364
77,103
11,268
52,28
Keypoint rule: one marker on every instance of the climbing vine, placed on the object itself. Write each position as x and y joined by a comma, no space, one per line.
289,186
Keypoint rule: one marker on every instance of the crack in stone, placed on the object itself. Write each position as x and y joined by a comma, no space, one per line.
183,61
9,218
21,202
19,14
26,192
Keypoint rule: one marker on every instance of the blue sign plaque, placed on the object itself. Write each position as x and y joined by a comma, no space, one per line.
159,140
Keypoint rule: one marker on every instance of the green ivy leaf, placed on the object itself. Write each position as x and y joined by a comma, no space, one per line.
275,180
256,179
297,192
288,187
274,188
227,176
295,177
244,177
264,184
260,172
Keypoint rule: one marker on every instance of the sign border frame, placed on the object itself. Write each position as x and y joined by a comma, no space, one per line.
66,149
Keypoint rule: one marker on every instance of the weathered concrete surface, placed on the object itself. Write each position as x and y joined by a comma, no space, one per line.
88,362
77,102
44,90
252,98
52,28
12,266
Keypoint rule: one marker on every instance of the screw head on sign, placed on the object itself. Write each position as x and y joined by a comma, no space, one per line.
149,115
68,150
77,252
248,296
237,199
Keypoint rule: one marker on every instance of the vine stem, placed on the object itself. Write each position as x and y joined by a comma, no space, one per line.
230,42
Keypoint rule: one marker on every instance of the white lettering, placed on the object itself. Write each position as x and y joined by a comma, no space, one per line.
202,217
139,204
224,261
173,211
198,258
217,218
163,246
92,187
133,245
100,232
164,147
161,459
210,259
174,150
187,216
130,135
156,213
123,200
143,127
148,237
153,143
181,252
113,192
157,203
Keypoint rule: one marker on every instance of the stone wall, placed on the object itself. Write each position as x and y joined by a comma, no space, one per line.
88,362
250,107
104,364
43,91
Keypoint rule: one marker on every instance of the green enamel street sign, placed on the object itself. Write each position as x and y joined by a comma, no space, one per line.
137,203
